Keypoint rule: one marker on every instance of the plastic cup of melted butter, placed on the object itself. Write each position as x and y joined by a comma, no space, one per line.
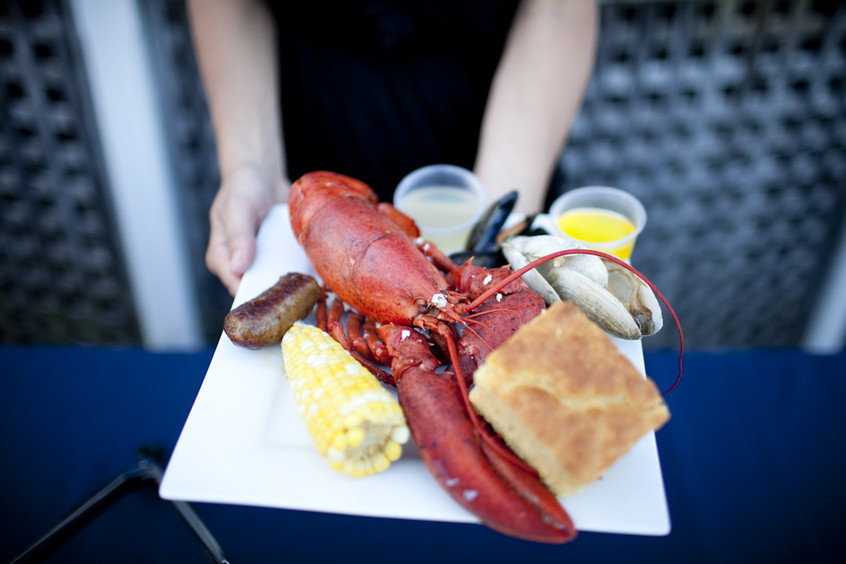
600,218
445,201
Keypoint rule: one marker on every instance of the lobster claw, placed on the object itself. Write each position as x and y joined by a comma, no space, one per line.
503,497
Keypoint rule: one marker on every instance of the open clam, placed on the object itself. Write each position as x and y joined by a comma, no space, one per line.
616,300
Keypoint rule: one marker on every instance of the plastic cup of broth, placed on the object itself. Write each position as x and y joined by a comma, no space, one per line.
445,201
600,218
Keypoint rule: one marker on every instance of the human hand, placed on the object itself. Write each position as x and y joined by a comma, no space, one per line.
243,201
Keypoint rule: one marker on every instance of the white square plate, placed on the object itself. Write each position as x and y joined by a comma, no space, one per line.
244,443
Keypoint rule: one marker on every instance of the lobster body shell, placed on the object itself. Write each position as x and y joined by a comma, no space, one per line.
364,257
515,306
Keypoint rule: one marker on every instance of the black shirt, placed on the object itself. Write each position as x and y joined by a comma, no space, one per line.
376,89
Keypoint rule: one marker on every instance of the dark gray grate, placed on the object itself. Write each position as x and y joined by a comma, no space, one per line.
191,145
62,277
727,119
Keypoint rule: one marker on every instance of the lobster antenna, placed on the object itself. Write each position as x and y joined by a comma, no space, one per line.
484,433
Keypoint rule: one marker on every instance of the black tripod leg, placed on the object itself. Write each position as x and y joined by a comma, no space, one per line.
148,472
77,518
201,532
187,513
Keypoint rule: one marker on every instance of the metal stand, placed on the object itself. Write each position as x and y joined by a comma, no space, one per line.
147,473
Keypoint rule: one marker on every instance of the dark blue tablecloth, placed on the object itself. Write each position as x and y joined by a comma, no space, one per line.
754,465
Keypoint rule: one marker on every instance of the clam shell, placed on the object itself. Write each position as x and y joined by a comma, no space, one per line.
539,246
580,281
636,296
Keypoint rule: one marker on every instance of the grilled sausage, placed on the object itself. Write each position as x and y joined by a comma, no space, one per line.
263,320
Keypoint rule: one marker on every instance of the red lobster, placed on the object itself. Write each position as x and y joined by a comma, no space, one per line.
370,256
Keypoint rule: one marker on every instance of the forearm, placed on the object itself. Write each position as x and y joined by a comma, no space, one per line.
536,94
235,43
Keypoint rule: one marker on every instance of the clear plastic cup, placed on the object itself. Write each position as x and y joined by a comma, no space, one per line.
600,218
445,201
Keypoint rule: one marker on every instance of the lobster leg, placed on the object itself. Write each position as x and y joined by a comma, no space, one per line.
399,219
377,347
320,314
436,255
452,451
334,325
355,322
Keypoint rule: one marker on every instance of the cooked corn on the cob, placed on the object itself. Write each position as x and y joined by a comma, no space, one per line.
354,422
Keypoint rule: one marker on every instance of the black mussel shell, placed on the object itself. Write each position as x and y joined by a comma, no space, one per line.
482,238
533,230
485,260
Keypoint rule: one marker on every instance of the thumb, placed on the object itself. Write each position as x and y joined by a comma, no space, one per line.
241,229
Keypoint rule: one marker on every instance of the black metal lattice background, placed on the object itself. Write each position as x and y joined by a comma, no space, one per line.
728,120
725,117
62,276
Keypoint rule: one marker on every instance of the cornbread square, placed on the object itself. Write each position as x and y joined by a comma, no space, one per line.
565,399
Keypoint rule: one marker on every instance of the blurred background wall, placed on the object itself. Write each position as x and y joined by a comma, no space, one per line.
727,118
